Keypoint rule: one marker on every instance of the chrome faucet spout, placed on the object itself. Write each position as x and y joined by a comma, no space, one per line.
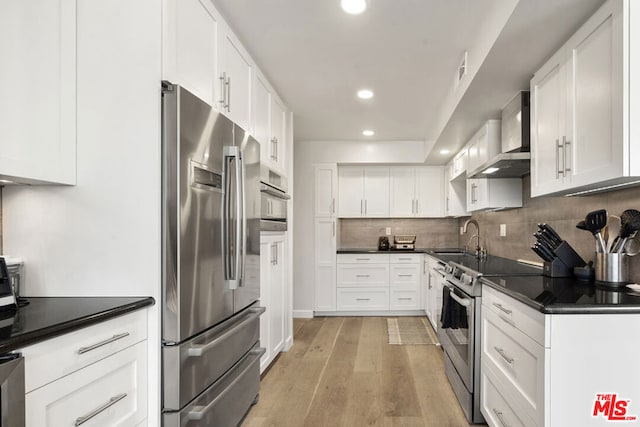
479,250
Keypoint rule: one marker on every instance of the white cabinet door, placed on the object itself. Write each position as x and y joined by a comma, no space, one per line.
191,47
38,103
261,116
547,126
594,139
376,192
402,187
114,390
325,264
265,293
278,142
429,192
484,145
326,189
277,294
350,192
485,193
235,78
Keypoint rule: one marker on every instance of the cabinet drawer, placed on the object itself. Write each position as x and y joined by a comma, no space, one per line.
496,410
404,299
363,299
350,275
515,313
81,348
114,390
518,361
405,274
363,258
405,258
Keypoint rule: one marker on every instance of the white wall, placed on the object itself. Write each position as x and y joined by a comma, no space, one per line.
308,153
102,236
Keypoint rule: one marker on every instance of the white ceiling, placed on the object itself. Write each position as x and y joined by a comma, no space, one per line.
406,51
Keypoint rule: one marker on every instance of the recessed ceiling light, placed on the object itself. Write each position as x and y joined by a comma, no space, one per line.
490,170
353,7
365,94
368,132
444,151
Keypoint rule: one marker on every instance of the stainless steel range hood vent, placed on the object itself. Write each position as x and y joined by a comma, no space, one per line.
504,165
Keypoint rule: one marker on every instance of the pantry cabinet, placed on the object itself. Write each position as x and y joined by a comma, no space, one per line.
416,191
326,189
273,296
580,113
38,106
363,192
325,264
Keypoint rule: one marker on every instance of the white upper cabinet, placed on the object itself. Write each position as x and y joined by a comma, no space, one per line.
38,103
416,191
234,74
459,165
191,47
484,145
363,191
277,142
581,133
326,191
261,114
269,124
455,195
485,193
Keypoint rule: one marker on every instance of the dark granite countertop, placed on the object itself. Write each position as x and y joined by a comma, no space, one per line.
566,295
430,251
47,317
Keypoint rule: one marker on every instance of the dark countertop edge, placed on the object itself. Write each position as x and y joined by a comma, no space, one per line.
375,251
566,308
11,344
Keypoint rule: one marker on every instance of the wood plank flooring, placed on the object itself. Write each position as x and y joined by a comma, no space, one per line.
341,372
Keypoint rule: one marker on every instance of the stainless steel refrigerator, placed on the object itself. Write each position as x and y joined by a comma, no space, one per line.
211,264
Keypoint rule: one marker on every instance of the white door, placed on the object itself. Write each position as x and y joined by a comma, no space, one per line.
236,73
350,192
276,297
191,49
430,196
376,192
402,197
594,139
325,264
265,294
326,187
547,126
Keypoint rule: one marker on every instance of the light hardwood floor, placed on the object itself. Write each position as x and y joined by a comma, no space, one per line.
341,372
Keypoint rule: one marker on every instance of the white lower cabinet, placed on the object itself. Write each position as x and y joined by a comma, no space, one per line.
433,289
404,282
363,298
99,376
273,296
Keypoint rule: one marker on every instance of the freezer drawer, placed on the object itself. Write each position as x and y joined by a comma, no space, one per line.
192,366
226,402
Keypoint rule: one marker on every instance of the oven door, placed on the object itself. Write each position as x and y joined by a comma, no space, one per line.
456,332
12,390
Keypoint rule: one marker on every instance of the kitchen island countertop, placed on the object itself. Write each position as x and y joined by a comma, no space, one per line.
47,317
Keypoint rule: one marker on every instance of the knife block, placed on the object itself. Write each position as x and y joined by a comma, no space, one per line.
562,266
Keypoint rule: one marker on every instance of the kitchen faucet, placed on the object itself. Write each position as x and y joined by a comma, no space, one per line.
479,251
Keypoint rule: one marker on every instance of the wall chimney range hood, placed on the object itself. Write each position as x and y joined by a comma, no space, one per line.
514,160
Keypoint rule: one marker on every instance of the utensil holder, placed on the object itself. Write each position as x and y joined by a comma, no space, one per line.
612,269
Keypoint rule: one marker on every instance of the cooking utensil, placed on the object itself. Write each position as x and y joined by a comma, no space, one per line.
627,230
595,222
614,223
582,226
628,215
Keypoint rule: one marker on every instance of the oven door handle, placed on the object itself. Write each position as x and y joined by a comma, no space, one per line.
462,301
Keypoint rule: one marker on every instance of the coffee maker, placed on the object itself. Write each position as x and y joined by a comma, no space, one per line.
383,243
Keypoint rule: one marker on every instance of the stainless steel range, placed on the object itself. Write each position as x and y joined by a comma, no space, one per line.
459,331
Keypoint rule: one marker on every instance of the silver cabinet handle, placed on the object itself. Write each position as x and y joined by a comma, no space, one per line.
363,259
333,205
463,302
228,86
413,206
500,417
97,411
333,226
363,299
405,275
501,352
223,92
199,350
447,205
273,149
275,251
362,275
83,350
564,157
405,299
365,206
558,147
417,206
361,207
404,259
502,308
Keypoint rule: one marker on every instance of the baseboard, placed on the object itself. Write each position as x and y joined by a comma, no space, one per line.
288,343
391,313
302,314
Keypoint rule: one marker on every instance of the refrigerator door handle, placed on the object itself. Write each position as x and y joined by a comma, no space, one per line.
232,249
199,350
243,222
